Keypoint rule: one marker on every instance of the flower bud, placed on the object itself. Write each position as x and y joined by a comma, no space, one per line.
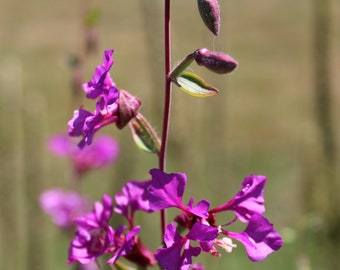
217,62
210,14
128,108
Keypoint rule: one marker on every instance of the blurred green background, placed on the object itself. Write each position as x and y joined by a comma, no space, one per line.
276,115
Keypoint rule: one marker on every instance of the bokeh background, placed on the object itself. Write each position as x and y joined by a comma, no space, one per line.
276,115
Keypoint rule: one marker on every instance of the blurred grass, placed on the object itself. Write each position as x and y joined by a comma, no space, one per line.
263,121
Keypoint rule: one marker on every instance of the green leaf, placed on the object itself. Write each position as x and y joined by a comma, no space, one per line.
194,85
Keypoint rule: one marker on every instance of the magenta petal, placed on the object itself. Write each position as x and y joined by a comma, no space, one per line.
101,79
94,235
249,200
104,151
186,259
132,198
166,190
171,236
76,124
259,239
60,145
169,258
64,206
201,209
202,233
127,245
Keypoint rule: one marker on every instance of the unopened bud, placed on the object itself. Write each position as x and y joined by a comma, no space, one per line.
217,62
210,14
128,108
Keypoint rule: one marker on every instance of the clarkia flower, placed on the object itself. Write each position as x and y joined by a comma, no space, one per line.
64,206
110,107
104,151
94,235
259,238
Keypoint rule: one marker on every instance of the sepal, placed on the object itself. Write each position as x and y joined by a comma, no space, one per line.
144,135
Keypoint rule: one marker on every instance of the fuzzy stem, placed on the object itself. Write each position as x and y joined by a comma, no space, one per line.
167,99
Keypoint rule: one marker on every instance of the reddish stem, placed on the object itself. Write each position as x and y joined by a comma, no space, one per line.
167,99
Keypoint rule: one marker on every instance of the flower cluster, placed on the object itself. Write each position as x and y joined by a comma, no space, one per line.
95,237
259,238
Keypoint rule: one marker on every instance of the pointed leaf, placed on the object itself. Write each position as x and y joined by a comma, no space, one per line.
194,85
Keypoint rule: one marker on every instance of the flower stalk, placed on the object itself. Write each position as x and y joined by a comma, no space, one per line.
167,99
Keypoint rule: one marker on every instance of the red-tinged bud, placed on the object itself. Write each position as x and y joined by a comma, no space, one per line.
128,108
217,62
210,14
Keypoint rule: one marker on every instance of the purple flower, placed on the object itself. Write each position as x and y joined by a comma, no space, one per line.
94,235
259,238
101,81
104,151
85,123
172,257
113,105
249,200
64,206
131,199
